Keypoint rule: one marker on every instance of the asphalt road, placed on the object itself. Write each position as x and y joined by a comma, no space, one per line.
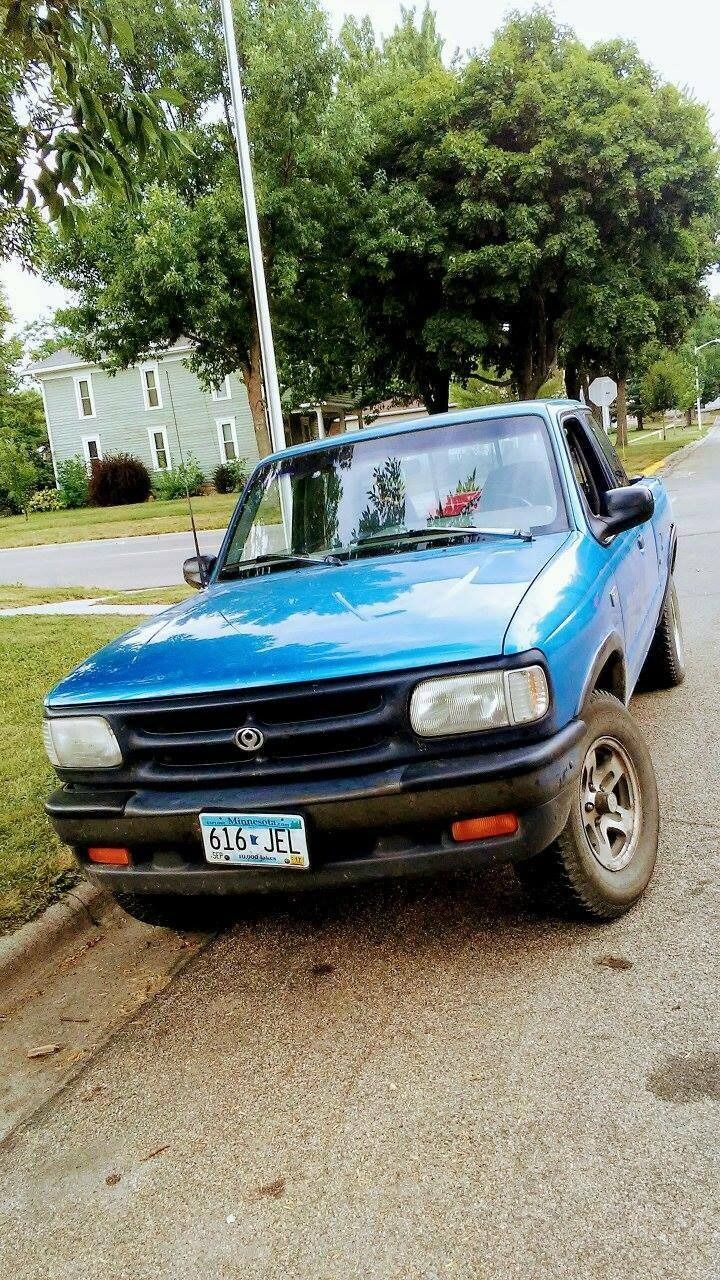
413,1083
112,562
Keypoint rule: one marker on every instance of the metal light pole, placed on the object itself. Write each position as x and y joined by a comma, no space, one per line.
267,346
712,343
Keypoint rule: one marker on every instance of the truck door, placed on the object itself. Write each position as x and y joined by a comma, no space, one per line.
632,554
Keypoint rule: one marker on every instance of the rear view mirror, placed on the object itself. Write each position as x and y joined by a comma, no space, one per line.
197,570
625,508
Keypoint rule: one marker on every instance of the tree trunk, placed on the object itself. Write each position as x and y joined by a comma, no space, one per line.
640,420
688,417
622,427
436,395
572,380
252,377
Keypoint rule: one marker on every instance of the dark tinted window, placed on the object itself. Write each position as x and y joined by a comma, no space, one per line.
607,447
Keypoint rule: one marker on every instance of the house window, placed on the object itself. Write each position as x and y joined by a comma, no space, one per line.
92,450
84,396
150,378
159,448
222,390
227,439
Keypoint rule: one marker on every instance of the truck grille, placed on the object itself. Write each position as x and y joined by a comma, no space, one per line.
318,729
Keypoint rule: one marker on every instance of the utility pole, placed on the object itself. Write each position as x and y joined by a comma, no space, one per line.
712,343
267,346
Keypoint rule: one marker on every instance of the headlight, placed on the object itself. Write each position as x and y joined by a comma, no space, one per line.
479,700
81,742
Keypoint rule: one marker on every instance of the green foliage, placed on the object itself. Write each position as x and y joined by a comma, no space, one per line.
707,327
178,481
118,480
669,383
230,477
44,500
73,483
18,473
73,117
175,260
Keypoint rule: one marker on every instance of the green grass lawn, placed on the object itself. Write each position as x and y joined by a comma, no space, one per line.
212,512
15,596
646,448
35,868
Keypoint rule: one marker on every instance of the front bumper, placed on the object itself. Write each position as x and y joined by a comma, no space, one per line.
377,825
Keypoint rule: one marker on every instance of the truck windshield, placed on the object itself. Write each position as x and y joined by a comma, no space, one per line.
375,496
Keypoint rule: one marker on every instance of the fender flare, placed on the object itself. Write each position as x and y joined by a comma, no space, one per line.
611,647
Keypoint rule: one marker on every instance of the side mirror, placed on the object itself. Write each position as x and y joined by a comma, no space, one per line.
197,570
625,508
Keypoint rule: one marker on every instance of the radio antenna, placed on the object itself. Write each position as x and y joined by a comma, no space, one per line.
201,564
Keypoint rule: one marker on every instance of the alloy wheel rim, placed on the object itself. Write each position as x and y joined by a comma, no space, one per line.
610,804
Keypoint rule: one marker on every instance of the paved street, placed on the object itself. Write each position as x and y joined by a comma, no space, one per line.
413,1083
112,562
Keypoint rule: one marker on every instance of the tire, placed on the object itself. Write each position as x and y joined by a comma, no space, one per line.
184,914
599,869
665,664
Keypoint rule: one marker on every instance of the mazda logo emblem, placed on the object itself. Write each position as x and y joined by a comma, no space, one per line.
249,739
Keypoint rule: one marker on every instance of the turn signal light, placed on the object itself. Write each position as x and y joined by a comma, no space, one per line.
110,857
497,824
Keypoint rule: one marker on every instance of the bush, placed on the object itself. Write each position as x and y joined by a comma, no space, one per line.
118,480
18,474
74,484
230,476
177,482
44,500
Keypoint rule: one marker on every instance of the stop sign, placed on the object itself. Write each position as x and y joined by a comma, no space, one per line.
602,392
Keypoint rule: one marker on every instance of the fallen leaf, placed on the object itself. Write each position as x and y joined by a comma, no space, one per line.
112,1179
614,962
92,1093
45,1050
157,1152
272,1189
322,970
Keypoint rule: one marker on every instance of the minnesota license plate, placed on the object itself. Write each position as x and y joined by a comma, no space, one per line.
255,840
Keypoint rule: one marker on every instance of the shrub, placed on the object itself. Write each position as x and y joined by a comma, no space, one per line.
18,474
74,484
178,481
118,480
44,500
230,476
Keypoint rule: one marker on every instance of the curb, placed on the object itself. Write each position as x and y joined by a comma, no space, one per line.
679,454
80,908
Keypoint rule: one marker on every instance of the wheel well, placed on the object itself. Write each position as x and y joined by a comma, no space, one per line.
611,676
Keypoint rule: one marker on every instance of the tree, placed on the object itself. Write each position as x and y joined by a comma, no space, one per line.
22,419
659,236
18,474
707,327
669,383
175,262
71,118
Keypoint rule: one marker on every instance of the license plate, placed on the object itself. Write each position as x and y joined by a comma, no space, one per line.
255,840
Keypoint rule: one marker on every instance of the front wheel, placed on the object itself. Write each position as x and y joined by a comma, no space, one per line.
604,857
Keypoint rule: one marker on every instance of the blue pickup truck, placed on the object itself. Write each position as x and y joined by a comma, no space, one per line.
412,654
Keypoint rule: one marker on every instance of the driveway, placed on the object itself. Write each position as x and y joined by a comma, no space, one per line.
119,563
420,1082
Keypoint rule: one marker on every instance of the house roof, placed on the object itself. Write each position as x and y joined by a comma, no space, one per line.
65,358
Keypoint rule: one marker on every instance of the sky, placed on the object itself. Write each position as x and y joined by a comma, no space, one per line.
681,41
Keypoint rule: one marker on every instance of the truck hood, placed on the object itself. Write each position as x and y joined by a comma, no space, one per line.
387,613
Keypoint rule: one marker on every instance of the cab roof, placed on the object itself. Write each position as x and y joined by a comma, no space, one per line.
491,411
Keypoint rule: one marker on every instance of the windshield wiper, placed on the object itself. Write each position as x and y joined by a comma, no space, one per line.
440,531
278,560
